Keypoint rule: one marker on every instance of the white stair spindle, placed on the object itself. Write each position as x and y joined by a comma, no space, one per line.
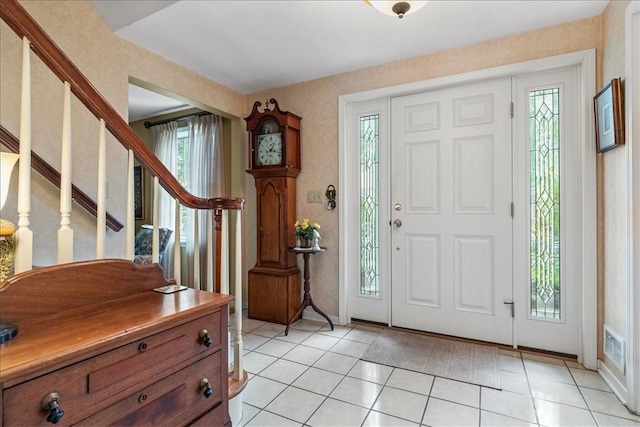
155,235
238,367
210,232
196,250
130,221
224,256
101,211
65,232
177,254
24,235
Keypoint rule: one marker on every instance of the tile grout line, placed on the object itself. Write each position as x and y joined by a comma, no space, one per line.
424,412
532,400
480,403
593,417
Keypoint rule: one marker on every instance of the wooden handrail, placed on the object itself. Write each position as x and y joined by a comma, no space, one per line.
54,58
46,170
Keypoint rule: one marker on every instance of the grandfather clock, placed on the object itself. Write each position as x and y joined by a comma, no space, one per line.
274,162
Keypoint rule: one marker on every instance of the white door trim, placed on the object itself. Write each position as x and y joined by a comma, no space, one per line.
586,60
632,107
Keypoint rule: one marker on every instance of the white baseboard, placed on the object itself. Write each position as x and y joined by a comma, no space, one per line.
310,314
619,389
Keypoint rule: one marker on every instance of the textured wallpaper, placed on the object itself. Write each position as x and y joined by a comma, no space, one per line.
614,179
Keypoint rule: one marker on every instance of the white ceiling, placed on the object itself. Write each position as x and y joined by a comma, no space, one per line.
144,103
251,46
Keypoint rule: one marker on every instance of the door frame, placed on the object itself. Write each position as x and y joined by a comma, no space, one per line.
348,196
632,107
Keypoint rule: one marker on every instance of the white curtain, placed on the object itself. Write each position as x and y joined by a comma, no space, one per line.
165,147
206,179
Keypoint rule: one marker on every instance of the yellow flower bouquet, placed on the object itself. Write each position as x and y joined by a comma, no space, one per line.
305,232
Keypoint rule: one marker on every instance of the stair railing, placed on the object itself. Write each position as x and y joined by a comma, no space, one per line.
35,39
53,176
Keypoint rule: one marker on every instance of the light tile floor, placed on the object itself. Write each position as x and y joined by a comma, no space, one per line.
313,377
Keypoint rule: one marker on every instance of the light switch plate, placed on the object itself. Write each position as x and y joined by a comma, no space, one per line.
314,196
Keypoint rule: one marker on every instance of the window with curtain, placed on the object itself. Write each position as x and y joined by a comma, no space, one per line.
192,151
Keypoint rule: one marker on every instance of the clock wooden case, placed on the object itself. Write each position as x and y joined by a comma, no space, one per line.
274,162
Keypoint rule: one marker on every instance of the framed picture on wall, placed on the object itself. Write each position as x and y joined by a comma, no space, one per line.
138,192
609,116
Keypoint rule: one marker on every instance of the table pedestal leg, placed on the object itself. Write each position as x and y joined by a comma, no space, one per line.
307,301
320,312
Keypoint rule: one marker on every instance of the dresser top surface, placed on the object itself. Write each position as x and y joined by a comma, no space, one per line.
55,340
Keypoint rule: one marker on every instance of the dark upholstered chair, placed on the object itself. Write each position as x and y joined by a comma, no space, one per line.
144,241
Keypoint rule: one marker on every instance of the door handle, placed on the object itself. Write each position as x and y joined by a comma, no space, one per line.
513,307
397,223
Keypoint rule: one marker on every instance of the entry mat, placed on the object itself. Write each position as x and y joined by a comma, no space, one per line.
457,360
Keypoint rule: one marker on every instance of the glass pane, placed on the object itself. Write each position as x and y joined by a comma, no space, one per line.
545,202
369,205
182,175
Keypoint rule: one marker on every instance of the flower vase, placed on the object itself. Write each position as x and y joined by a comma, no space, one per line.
305,243
7,249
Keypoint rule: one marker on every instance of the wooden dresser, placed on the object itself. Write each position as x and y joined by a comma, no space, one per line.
97,343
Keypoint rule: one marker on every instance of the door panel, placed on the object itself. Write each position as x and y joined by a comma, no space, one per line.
451,175
474,276
423,262
422,161
473,177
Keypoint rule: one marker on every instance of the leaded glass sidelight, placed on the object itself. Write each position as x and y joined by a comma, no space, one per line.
545,202
369,206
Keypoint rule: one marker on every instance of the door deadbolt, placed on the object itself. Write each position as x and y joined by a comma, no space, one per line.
397,207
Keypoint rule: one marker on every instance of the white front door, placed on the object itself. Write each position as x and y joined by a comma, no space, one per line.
547,198
455,249
451,237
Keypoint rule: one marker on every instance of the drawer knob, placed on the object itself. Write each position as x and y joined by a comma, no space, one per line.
206,386
142,347
51,403
206,338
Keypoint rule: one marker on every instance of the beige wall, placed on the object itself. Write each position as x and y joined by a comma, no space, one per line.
109,62
613,191
317,103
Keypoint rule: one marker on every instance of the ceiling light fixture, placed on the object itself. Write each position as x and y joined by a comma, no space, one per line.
397,8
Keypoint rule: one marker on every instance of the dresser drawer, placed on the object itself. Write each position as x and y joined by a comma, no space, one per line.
175,400
98,382
218,416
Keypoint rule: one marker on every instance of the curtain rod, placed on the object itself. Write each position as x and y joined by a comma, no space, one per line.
174,119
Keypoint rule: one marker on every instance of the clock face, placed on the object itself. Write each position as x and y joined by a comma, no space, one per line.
270,149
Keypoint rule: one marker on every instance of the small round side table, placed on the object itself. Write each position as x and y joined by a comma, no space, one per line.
306,300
